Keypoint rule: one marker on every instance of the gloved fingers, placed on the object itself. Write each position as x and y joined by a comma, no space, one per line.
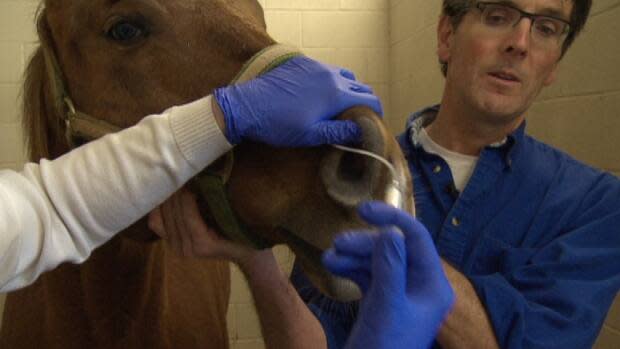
384,215
425,269
357,93
358,244
346,73
307,65
339,263
337,132
360,88
424,262
381,214
389,264
349,267
364,98
262,109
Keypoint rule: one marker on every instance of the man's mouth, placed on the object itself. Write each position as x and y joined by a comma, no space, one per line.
506,76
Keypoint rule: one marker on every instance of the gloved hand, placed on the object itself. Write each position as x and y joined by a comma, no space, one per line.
291,105
406,294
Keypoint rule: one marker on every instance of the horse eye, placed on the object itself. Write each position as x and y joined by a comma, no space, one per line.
126,32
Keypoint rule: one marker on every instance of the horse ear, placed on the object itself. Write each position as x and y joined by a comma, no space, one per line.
349,178
260,14
41,122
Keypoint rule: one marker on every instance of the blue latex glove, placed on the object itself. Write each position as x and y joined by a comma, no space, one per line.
406,293
291,105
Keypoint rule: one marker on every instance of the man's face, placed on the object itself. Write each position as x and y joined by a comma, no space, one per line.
499,73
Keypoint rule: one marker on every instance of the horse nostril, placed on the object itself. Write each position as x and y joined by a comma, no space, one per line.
347,178
351,178
351,168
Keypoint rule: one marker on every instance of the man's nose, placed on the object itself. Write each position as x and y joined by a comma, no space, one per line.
518,38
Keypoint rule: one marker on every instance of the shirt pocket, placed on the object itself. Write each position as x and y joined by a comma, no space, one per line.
496,256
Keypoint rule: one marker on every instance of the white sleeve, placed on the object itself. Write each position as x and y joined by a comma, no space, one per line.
60,210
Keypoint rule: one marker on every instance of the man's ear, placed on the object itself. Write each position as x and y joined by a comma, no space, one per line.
444,38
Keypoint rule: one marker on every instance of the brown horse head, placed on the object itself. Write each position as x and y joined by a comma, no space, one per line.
123,59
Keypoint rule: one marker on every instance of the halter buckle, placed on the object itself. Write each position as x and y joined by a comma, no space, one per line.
69,116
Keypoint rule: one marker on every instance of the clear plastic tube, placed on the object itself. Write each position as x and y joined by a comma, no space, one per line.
393,192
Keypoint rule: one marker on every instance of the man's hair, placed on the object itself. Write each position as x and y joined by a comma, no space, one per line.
456,9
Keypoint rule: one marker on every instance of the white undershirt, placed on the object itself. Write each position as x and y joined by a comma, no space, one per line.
462,166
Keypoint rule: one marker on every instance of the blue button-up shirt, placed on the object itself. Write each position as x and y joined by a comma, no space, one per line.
535,231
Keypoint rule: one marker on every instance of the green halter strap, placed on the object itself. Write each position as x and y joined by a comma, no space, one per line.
212,184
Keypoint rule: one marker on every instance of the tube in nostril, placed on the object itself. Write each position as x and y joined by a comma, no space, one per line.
393,195
393,192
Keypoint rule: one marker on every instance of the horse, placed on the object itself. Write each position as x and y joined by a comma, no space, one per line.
120,60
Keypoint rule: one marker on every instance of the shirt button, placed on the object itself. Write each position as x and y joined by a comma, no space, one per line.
437,169
456,222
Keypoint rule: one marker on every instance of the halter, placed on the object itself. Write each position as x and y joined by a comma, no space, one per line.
210,182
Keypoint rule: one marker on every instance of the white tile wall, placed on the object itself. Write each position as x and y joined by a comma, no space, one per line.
8,103
349,33
16,33
243,325
415,78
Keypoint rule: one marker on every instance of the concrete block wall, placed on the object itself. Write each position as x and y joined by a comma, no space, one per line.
16,37
415,78
578,114
348,33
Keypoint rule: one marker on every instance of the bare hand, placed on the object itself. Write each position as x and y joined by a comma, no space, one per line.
178,221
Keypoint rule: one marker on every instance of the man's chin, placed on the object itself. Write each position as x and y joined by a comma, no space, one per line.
501,108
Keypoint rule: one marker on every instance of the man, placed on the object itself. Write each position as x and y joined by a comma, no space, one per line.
526,233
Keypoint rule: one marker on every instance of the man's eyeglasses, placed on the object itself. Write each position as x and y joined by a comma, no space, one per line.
547,32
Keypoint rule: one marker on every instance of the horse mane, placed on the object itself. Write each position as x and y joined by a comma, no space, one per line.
41,118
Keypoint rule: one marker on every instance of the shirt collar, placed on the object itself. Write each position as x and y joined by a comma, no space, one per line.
509,147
